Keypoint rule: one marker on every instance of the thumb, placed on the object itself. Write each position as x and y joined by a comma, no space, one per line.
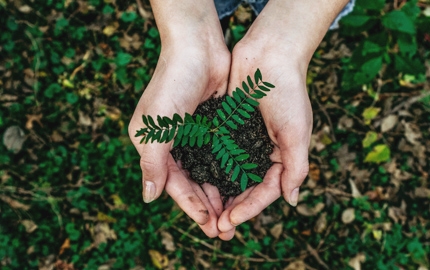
153,162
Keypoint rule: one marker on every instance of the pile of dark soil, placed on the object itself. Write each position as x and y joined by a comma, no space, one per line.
202,165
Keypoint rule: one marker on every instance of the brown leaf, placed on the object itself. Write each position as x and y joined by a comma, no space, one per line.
396,214
14,138
307,211
102,233
356,261
84,119
33,118
296,265
14,203
389,122
348,215
64,246
412,133
29,225
167,241
276,230
355,192
314,172
422,192
321,223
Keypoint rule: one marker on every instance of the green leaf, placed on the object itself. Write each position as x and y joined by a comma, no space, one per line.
216,121
235,174
177,118
220,154
200,141
263,88
253,102
370,113
161,122
236,95
380,153
230,101
242,157
243,181
267,84
145,120
370,138
141,132
221,114
152,123
250,83
226,107
230,163
164,136
216,148
231,124
157,135
249,166
184,141
248,107
245,87
224,160
398,20
261,93
122,59
257,76
223,130
238,119
207,138
194,130
188,118
187,129
355,20
180,132
192,141
244,113
241,93
254,177
171,135
177,141
237,152
149,135
168,120
128,16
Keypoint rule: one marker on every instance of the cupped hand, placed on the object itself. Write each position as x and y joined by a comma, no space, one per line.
287,113
186,75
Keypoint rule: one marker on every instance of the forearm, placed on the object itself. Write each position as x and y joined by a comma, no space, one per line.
302,23
186,20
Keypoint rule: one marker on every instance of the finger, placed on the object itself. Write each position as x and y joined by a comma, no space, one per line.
224,222
153,163
227,236
259,198
294,157
214,198
183,193
210,228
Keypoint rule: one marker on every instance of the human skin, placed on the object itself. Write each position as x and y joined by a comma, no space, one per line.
195,64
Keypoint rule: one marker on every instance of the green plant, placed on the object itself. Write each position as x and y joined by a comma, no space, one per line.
198,130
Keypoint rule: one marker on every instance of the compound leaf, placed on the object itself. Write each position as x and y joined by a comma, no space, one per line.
257,76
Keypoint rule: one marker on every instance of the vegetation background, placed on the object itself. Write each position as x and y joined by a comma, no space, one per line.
71,73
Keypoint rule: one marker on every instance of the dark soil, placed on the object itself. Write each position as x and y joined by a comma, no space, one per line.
202,165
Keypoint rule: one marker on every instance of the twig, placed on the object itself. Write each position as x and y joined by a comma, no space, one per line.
407,103
333,137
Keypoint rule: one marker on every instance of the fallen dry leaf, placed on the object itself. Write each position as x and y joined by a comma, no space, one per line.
412,133
307,211
348,215
14,203
296,265
389,122
314,171
276,230
64,246
321,223
168,241
355,192
33,118
422,192
102,233
29,225
357,260
14,138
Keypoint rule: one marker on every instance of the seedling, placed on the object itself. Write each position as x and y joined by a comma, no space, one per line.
197,130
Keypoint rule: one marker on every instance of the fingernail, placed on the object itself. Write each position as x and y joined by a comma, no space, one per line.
148,191
294,196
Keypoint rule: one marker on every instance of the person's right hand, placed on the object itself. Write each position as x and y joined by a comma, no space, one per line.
193,66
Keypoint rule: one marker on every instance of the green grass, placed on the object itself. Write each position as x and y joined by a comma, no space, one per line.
70,77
